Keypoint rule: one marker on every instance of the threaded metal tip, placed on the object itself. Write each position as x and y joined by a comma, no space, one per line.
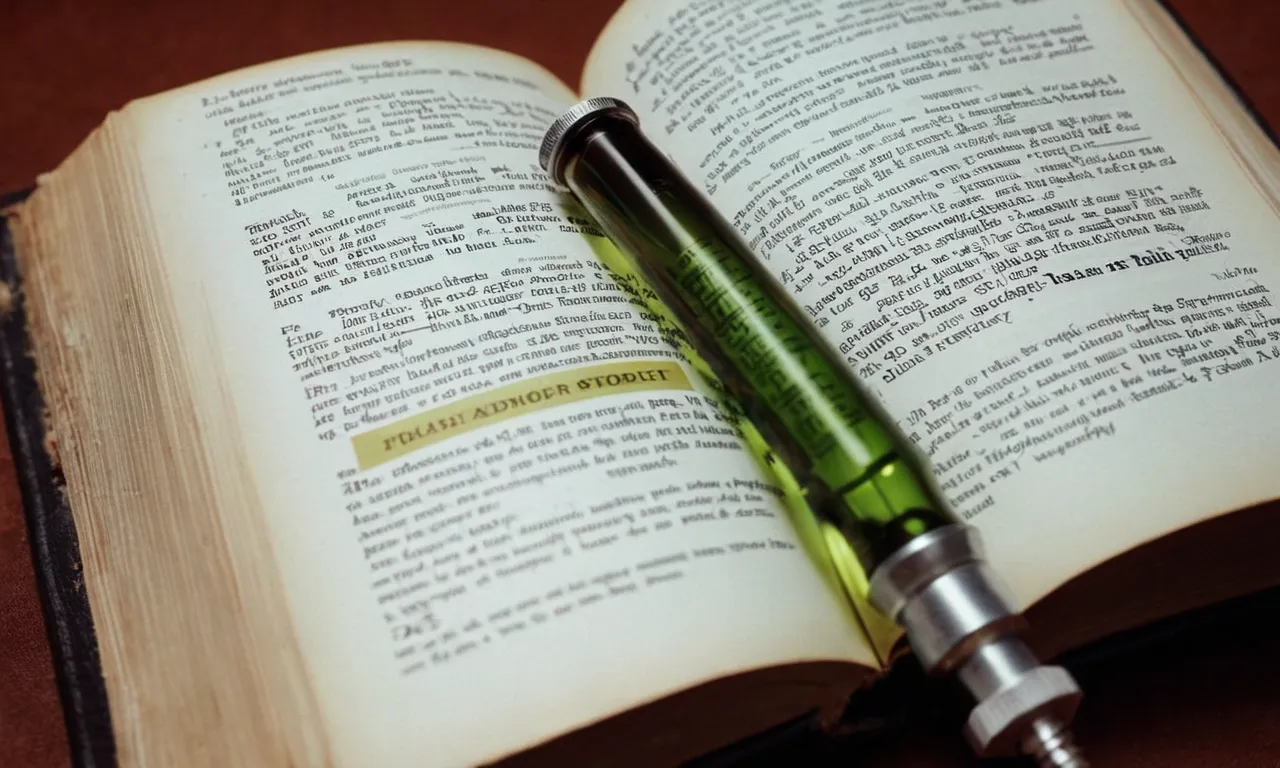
1051,744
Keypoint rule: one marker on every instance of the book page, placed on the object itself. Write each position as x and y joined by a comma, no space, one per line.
1019,228
502,508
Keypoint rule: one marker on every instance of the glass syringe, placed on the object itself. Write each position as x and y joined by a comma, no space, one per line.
923,567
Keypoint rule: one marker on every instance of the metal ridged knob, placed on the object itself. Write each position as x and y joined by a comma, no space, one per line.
563,129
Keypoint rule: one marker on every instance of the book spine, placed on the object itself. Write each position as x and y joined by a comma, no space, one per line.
52,533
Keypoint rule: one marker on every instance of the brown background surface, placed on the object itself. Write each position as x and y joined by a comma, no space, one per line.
1205,698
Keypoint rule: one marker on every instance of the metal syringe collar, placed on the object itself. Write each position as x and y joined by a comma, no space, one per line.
958,617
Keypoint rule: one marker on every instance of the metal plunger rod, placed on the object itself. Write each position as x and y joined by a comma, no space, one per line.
926,568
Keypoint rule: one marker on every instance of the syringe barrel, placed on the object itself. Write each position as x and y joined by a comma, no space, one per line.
922,567
767,353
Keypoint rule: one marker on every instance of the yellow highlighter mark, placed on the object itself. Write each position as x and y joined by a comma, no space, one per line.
394,440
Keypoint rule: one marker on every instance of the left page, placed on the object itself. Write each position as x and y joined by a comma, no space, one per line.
501,508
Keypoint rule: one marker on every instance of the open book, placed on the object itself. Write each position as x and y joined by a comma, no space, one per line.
373,462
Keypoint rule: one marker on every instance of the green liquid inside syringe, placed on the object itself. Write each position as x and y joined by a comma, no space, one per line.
859,472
